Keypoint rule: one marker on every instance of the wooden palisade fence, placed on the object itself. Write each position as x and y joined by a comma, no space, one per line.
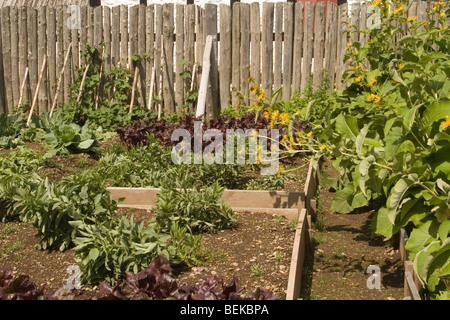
277,44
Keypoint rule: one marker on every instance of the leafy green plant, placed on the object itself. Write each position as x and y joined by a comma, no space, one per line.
108,249
199,210
70,138
388,134
10,129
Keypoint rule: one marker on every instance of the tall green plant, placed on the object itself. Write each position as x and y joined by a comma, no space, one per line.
390,132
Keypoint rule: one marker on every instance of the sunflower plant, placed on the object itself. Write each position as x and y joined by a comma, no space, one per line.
389,134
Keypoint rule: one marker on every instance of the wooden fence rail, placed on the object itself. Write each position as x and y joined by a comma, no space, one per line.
281,45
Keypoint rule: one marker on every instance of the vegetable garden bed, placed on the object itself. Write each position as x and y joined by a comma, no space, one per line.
273,260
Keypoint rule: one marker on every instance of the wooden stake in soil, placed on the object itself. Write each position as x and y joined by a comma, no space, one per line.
150,95
44,63
133,88
58,85
22,87
82,82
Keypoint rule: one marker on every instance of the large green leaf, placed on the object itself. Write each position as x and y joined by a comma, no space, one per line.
435,112
398,193
421,236
364,167
348,126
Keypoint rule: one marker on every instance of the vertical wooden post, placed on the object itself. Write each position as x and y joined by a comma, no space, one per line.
267,47
278,49
150,51
189,43
51,51
235,55
115,36
36,92
225,55
168,80
6,51
3,105
255,27
308,38
33,62
42,52
341,44
67,33
158,62
213,102
179,64
15,80
298,47
106,38
288,49
124,36
319,41
245,51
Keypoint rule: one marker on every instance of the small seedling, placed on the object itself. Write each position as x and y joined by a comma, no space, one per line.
257,270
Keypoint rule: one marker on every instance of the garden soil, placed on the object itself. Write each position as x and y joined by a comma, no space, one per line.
257,251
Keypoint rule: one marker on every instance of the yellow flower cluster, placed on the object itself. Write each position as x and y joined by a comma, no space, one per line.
359,78
412,19
399,9
372,81
446,123
374,98
376,3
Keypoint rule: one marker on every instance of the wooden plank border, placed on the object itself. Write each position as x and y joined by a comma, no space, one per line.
301,243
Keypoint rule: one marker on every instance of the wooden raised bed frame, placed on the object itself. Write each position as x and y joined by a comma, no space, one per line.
297,205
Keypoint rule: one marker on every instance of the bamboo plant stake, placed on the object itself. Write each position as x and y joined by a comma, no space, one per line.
133,88
82,82
58,85
22,87
36,91
152,84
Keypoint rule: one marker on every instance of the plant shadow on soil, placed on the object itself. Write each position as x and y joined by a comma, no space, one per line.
342,248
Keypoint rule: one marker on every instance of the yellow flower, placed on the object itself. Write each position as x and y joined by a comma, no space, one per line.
349,44
444,28
435,9
298,111
377,99
254,88
261,96
284,117
446,123
399,9
372,82
322,147
299,141
401,65
358,67
250,79
275,114
309,134
355,53
280,169
301,132
442,14
376,3
411,19
266,114
439,3
359,78
335,84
